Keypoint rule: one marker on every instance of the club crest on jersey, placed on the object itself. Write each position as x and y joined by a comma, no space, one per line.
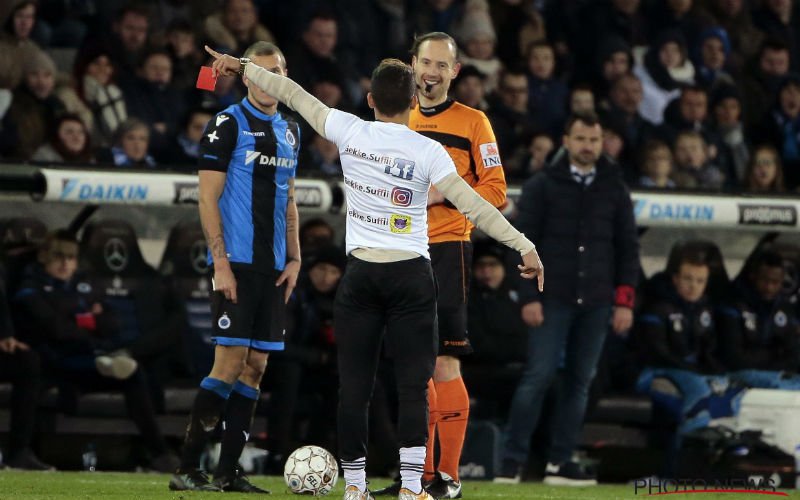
490,155
224,322
780,319
400,224
290,138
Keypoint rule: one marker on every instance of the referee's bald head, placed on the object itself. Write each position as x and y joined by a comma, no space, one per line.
393,87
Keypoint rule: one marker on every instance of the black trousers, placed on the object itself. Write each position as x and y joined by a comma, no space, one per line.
398,298
23,370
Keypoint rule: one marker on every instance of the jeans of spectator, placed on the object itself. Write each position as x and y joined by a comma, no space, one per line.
767,379
570,334
701,397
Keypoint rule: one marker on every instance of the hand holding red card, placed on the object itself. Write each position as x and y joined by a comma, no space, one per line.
206,80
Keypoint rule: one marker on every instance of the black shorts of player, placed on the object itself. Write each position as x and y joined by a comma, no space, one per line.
452,265
257,319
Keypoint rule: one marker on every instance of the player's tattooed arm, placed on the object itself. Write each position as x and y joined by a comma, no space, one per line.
212,183
292,269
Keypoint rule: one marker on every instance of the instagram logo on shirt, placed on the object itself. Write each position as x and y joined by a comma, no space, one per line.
401,197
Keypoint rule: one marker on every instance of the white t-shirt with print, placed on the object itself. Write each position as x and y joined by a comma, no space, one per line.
388,170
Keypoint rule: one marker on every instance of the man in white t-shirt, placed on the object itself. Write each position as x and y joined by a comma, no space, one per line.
388,285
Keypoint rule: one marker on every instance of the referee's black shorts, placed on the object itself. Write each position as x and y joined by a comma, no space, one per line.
257,319
452,265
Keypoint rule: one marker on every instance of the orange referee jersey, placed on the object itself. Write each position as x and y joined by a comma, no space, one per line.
468,137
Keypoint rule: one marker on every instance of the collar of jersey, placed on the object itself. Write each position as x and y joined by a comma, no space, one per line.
435,110
258,114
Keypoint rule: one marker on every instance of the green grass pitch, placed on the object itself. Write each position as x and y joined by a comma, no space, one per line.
128,486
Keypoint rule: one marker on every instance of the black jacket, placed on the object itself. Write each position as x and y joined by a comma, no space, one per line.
758,335
672,333
586,237
496,330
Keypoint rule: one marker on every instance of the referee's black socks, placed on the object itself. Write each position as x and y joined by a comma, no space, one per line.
208,407
236,427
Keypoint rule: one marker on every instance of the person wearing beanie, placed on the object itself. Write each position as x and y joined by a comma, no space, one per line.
711,58
478,39
35,104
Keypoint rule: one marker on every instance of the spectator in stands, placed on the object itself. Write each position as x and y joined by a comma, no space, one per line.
780,19
95,78
594,266
618,150
656,165
20,366
316,58
759,334
581,99
711,58
614,60
508,112
597,21
760,83
665,68
683,16
184,150
66,20
69,142
236,27
315,234
693,166
781,128
22,29
128,42
55,313
547,94
184,52
531,161
726,105
625,98
764,172
10,76
35,105
324,156
477,39
677,342
497,333
469,88
131,146
152,99
308,365
434,15
734,17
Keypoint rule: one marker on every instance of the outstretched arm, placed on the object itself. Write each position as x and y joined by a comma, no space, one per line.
278,86
491,221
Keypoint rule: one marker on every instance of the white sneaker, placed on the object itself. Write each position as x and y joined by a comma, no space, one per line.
406,494
568,474
353,493
118,367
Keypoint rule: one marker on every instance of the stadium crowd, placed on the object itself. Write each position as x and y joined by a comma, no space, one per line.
692,95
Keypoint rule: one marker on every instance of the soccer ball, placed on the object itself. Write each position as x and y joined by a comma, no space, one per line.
311,470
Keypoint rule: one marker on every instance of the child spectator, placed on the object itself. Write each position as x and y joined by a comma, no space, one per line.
185,53
69,142
547,95
694,170
130,146
529,162
764,172
581,99
782,129
324,156
656,166
183,152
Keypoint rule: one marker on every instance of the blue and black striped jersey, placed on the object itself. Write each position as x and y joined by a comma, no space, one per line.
259,154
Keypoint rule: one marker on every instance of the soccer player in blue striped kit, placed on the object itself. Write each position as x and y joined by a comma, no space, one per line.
248,158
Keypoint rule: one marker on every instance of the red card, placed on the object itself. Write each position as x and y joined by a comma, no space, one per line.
206,79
